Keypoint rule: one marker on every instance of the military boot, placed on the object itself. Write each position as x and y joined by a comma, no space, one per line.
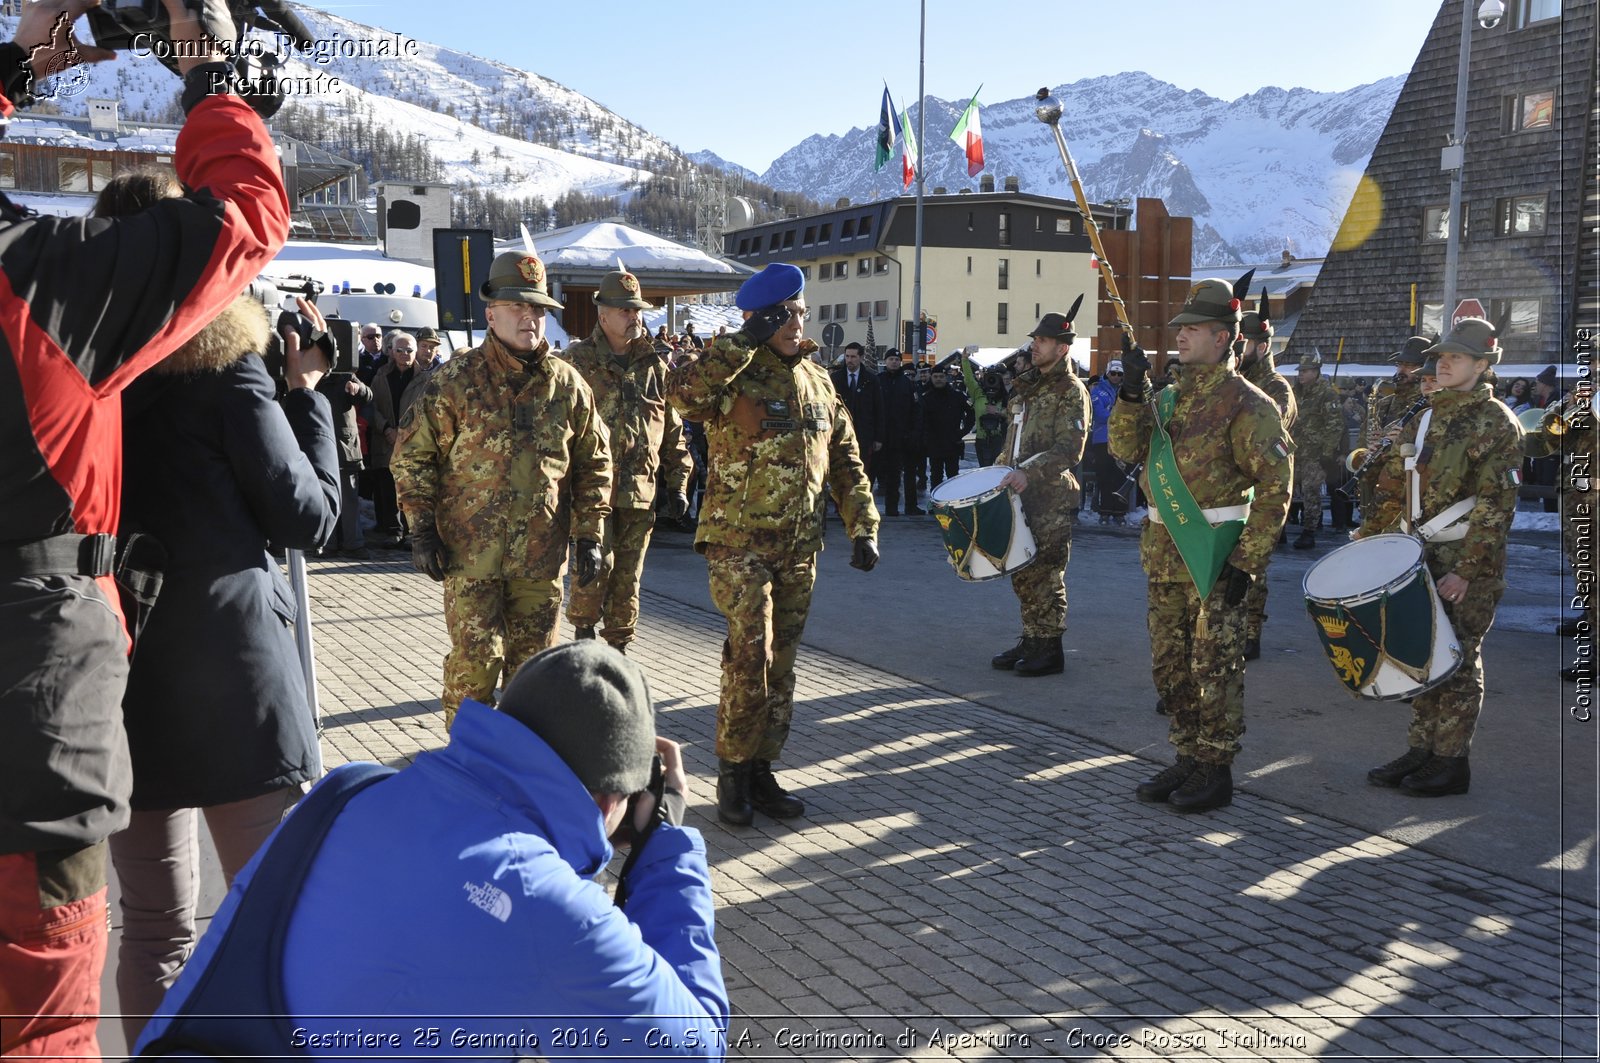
1391,773
584,632
1439,777
1043,656
1008,660
1209,786
768,797
1159,787
733,793
1306,539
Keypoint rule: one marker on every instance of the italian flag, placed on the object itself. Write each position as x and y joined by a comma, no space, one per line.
968,135
908,157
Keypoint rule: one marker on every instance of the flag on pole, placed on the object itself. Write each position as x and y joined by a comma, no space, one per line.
888,129
968,135
908,157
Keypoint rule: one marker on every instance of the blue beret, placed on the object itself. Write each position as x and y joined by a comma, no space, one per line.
779,281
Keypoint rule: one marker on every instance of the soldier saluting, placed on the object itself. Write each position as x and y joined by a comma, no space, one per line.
1217,475
781,442
619,363
500,463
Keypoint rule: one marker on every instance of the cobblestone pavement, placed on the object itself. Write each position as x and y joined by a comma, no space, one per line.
967,884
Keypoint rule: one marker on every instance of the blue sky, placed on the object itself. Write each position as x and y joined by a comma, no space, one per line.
749,79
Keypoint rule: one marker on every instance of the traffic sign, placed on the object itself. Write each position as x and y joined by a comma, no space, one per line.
1467,308
930,334
832,334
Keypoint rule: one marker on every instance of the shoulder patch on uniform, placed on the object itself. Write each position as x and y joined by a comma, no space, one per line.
1280,450
1514,477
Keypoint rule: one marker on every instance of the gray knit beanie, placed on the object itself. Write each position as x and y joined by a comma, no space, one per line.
592,706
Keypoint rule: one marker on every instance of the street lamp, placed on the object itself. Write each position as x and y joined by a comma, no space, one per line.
1452,159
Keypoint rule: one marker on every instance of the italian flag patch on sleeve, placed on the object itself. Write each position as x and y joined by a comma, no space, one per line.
1514,477
1280,450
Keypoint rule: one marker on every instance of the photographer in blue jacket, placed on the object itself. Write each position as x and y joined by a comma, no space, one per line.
451,908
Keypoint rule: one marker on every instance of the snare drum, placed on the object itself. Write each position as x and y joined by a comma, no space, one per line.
985,530
1381,619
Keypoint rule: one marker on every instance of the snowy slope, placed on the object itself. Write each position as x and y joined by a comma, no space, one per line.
1272,168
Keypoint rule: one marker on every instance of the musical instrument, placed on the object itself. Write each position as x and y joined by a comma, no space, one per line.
1566,414
1380,618
1359,460
984,527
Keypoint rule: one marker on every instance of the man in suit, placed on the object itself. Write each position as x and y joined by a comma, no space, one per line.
858,387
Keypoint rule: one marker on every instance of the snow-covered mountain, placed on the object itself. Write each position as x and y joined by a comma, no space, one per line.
1274,168
712,159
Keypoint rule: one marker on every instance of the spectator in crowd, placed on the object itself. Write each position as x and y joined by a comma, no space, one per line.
1519,395
1108,475
90,304
893,463
217,473
1545,471
512,821
692,340
946,420
429,348
395,387
346,393
488,519
370,353
858,387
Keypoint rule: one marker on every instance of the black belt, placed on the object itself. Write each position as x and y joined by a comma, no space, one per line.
59,555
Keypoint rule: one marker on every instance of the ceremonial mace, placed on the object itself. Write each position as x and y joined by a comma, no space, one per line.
1049,112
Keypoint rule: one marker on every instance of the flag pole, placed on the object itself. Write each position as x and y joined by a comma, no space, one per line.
919,342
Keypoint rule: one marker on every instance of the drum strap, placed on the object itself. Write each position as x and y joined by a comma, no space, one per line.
1203,547
1450,525
1413,477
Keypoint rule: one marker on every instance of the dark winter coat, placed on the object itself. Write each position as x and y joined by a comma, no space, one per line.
215,469
946,419
386,412
345,406
865,404
899,407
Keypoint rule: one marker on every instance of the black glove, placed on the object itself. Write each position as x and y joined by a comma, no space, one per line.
865,554
587,561
427,551
1135,370
677,507
1237,585
762,325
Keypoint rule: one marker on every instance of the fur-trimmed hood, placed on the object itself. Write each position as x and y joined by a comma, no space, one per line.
242,328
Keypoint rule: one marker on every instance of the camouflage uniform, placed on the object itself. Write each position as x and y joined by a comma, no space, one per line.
1318,433
1473,447
646,438
1048,419
780,441
1577,447
510,461
1227,437
1401,395
1274,385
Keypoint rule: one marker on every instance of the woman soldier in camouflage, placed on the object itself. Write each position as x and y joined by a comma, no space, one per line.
1466,448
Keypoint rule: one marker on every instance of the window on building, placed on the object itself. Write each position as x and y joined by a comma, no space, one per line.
1038,223
1520,215
805,273
1038,267
880,309
840,312
969,309
1005,229
841,269
1527,12
1036,314
969,221
788,240
825,312
1004,281
8,170
82,175
774,241
744,245
847,229
1528,110
1001,323
824,272
863,267
1436,222
863,311
969,265
1432,319
825,233
864,229
880,265
1063,226
1520,315
810,236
